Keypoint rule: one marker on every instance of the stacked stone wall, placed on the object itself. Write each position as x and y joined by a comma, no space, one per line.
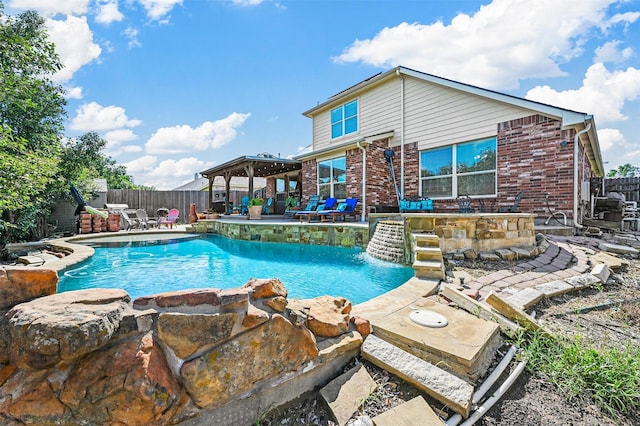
97,356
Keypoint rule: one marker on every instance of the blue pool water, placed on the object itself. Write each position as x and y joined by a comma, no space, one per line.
217,262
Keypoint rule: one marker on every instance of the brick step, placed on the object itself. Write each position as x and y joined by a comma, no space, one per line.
441,385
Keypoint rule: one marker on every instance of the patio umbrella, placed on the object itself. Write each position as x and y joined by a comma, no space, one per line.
78,197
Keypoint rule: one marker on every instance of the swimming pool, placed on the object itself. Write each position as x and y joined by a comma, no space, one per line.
146,268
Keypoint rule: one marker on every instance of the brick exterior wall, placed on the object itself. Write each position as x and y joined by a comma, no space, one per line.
309,180
530,158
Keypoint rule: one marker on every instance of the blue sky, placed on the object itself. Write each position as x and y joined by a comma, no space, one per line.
178,86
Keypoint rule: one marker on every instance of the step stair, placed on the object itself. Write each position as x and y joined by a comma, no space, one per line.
428,260
439,384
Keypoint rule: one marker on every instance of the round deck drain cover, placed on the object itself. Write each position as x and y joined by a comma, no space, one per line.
428,318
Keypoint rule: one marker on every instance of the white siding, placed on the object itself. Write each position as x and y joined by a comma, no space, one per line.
434,115
437,116
378,112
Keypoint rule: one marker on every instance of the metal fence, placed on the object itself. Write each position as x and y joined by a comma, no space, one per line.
630,187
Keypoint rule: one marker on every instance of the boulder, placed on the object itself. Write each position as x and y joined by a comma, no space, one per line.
327,316
130,383
261,288
186,333
267,351
64,326
22,284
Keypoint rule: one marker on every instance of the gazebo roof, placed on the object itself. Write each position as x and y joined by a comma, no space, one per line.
263,165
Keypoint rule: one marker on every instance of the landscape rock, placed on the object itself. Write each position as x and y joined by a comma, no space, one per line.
21,284
618,249
64,326
345,393
186,333
361,325
327,316
129,383
261,288
233,367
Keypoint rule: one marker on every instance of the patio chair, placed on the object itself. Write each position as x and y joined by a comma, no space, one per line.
464,204
515,207
145,221
266,208
343,210
329,204
244,205
128,222
171,218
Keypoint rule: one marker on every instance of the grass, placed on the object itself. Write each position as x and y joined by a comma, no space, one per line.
610,378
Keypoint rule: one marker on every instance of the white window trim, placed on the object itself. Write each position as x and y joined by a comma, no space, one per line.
454,174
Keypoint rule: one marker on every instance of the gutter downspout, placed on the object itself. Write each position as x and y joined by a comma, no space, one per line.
363,216
576,141
401,133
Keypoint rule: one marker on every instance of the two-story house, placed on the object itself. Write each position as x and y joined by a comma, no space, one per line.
449,139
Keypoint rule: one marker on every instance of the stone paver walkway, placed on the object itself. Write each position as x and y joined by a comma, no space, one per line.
564,257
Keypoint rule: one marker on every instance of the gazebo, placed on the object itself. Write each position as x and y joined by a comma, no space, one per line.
262,165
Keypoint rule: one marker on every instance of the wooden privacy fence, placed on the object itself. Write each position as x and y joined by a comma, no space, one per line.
151,201
630,187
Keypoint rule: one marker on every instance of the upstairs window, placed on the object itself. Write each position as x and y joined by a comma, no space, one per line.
463,169
344,119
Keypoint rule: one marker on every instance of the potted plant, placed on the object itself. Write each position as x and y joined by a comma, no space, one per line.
255,208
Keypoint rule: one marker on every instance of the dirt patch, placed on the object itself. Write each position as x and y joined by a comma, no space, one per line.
606,317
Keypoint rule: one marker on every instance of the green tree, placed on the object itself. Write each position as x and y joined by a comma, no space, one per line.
83,161
31,123
626,170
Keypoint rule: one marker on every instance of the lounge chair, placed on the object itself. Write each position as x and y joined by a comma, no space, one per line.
311,206
145,221
129,223
329,203
171,218
343,210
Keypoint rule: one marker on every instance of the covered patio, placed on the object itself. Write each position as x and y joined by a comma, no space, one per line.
262,165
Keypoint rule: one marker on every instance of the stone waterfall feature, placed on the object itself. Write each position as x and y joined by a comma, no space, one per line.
387,242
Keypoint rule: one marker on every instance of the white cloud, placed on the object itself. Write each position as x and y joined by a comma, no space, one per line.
115,138
51,7
132,148
107,12
167,174
603,93
132,34
143,164
610,138
247,2
74,44
184,138
609,52
74,92
95,117
157,9
502,43
120,135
